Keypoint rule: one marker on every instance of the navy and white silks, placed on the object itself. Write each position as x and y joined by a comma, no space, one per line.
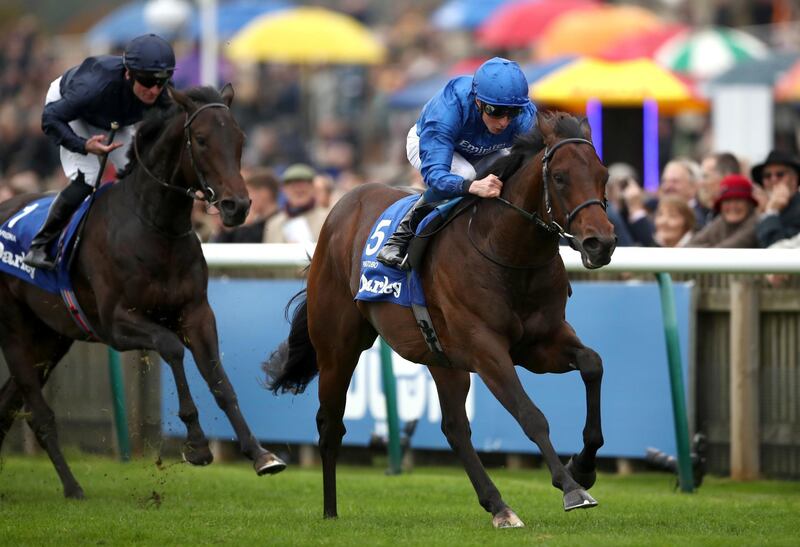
82,103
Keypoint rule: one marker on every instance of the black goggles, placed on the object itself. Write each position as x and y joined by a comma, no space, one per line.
495,111
149,80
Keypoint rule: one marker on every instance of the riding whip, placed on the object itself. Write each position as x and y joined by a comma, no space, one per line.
104,157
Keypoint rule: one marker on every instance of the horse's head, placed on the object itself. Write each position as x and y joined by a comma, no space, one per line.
573,181
214,144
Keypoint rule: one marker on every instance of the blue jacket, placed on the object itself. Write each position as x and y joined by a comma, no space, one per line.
96,92
451,122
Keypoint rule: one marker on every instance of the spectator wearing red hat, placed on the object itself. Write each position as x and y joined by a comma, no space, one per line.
779,174
736,220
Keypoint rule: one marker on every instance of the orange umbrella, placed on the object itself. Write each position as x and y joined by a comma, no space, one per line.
591,30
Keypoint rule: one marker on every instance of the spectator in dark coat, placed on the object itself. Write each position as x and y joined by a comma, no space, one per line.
779,175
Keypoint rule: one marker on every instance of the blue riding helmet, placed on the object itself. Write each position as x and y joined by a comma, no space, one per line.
500,82
150,53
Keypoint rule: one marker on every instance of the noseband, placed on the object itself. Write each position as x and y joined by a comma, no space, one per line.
208,193
552,226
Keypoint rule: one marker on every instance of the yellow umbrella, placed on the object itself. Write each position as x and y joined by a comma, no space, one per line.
306,35
626,83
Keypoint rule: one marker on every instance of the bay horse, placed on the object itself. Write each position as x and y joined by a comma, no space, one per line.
139,275
496,290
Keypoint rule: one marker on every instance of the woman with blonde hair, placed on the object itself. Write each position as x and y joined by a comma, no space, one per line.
674,222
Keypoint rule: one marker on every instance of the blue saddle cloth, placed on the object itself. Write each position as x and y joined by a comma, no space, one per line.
15,240
381,283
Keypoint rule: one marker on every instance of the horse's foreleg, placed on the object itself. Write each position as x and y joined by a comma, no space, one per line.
497,371
200,334
582,466
129,332
453,386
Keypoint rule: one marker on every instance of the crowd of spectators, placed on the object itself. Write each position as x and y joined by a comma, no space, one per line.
333,126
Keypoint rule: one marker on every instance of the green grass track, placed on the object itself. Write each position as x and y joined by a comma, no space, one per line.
175,504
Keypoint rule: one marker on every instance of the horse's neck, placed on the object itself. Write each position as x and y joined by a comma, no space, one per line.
512,238
164,210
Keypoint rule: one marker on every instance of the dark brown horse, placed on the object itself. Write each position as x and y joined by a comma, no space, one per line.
496,289
140,275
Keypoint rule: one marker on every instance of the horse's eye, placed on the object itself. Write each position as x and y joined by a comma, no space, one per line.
201,141
559,178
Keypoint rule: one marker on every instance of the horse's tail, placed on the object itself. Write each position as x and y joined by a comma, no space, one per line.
294,364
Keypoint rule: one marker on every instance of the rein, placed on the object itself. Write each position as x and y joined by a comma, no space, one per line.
552,226
208,193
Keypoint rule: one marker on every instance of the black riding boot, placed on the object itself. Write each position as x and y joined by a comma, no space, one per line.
394,250
61,210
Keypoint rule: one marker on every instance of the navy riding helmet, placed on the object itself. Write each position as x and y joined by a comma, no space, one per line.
151,54
500,82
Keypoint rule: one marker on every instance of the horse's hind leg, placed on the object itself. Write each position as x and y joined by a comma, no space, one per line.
453,386
11,399
200,330
26,357
10,403
338,345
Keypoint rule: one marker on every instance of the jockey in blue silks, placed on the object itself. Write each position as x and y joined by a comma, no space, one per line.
474,118
80,106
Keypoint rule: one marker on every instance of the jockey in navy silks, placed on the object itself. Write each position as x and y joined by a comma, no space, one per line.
473,119
81,105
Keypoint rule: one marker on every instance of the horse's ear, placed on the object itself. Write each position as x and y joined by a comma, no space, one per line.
183,100
547,125
227,94
586,129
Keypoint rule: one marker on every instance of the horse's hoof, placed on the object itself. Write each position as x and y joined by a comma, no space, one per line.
578,499
507,519
197,455
268,464
582,477
74,493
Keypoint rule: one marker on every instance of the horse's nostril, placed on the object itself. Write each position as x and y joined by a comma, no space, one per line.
592,244
228,206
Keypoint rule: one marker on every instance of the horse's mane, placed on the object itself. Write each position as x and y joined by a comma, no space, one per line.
156,119
528,145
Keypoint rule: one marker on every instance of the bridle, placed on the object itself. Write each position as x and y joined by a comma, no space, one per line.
208,194
550,226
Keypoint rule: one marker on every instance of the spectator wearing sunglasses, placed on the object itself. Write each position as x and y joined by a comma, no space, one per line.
779,175
79,108
472,119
